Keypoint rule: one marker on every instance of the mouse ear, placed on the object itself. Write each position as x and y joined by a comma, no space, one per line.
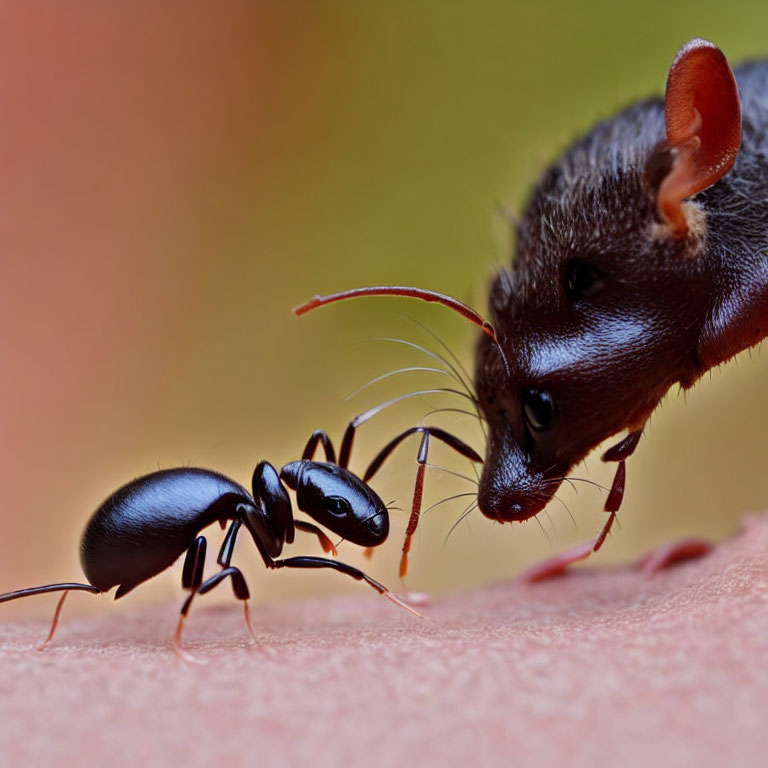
703,120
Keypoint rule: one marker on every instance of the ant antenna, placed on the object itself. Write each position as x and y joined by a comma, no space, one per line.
409,292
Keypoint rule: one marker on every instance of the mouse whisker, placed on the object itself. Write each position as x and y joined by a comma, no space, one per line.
376,409
543,530
481,419
463,374
572,480
466,378
464,381
447,499
451,472
387,375
558,480
468,511
568,510
447,366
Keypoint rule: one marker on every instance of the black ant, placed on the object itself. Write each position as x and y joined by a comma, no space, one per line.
146,525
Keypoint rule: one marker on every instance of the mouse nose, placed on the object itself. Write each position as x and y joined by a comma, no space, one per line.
511,489
508,506
515,511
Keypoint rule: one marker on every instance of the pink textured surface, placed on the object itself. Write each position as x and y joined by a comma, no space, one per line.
602,667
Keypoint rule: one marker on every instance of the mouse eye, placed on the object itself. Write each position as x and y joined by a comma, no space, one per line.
582,279
539,410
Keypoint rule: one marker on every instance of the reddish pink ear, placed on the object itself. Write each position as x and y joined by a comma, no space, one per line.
703,120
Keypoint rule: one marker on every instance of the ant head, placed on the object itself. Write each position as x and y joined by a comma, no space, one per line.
338,500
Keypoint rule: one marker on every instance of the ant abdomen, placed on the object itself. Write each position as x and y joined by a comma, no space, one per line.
146,525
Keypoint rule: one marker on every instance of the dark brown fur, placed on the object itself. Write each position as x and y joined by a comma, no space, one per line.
670,308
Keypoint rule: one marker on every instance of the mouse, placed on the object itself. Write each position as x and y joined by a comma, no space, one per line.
640,263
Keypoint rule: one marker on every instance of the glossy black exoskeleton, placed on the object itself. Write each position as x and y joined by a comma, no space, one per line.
147,524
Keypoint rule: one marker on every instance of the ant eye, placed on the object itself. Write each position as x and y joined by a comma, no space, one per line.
539,410
337,506
582,279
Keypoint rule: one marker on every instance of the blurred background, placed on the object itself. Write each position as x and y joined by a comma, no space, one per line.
176,176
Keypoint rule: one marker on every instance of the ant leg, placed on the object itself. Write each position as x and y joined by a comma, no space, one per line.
318,436
355,573
439,434
55,621
418,491
64,587
225,558
325,542
191,578
239,588
228,545
418,494
68,586
347,440
194,561
238,582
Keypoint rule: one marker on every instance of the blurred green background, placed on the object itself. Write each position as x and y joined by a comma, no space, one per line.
176,176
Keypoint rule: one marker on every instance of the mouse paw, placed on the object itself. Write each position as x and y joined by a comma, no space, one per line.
674,552
557,565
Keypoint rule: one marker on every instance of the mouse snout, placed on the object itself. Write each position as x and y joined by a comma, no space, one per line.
511,489
509,505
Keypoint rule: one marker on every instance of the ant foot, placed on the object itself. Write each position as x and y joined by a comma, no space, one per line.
181,654
186,657
247,612
418,599
401,602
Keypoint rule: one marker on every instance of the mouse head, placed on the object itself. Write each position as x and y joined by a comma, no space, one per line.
602,309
